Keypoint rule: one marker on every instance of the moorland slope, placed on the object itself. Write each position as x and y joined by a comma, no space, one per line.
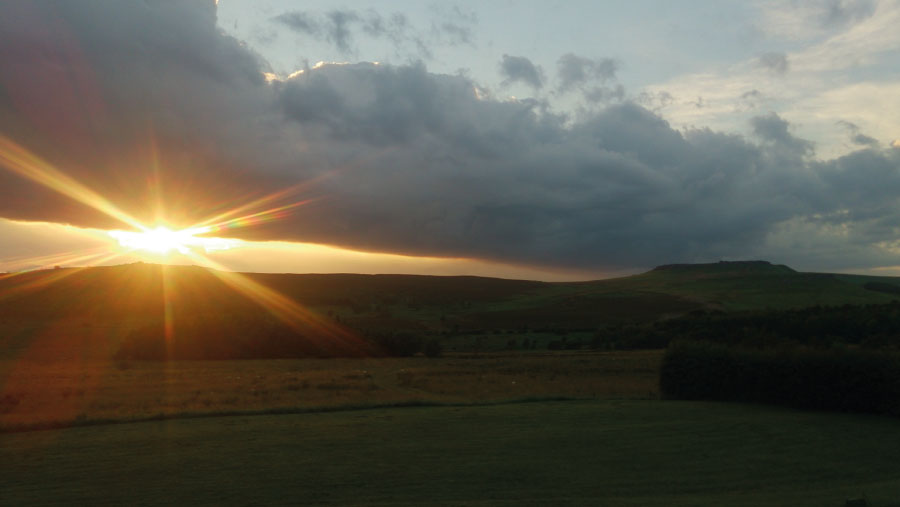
88,312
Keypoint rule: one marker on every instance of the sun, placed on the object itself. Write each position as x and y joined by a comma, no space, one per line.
162,240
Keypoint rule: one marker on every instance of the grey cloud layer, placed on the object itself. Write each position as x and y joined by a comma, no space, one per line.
404,160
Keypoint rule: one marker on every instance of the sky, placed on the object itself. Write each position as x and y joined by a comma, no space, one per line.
544,140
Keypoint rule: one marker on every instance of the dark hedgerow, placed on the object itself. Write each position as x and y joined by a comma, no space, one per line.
869,326
840,379
399,344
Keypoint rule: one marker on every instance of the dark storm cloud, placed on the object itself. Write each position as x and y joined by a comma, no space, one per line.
93,85
121,95
776,63
520,69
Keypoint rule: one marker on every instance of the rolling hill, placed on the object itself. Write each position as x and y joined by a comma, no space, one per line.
88,312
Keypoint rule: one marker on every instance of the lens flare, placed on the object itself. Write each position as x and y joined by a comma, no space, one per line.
164,241
194,243
28,165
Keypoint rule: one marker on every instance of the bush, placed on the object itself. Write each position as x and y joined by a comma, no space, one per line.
818,326
849,380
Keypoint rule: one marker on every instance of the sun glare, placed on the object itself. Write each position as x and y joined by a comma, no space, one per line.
163,241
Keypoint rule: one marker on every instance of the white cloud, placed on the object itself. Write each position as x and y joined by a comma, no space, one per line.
809,19
815,89
863,44
873,107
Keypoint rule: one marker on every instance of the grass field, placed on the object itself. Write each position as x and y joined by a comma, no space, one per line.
454,430
636,453
47,394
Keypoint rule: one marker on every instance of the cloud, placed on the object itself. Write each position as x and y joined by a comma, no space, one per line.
655,101
864,140
334,25
575,71
813,18
751,99
810,93
300,21
342,27
846,12
593,78
150,102
598,94
521,69
453,26
774,62
856,136
862,41
773,130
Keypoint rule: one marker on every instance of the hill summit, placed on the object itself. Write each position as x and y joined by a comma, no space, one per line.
726,268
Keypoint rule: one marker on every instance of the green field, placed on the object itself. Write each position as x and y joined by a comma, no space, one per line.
640,453
60,394
306,429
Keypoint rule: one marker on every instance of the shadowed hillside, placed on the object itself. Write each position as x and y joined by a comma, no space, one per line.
755,285
91,312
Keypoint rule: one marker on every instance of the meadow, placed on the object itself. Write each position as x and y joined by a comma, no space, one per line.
36,394
529,404
595,452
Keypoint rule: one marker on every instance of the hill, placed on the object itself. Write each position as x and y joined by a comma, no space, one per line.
90,312
757,285
726,268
